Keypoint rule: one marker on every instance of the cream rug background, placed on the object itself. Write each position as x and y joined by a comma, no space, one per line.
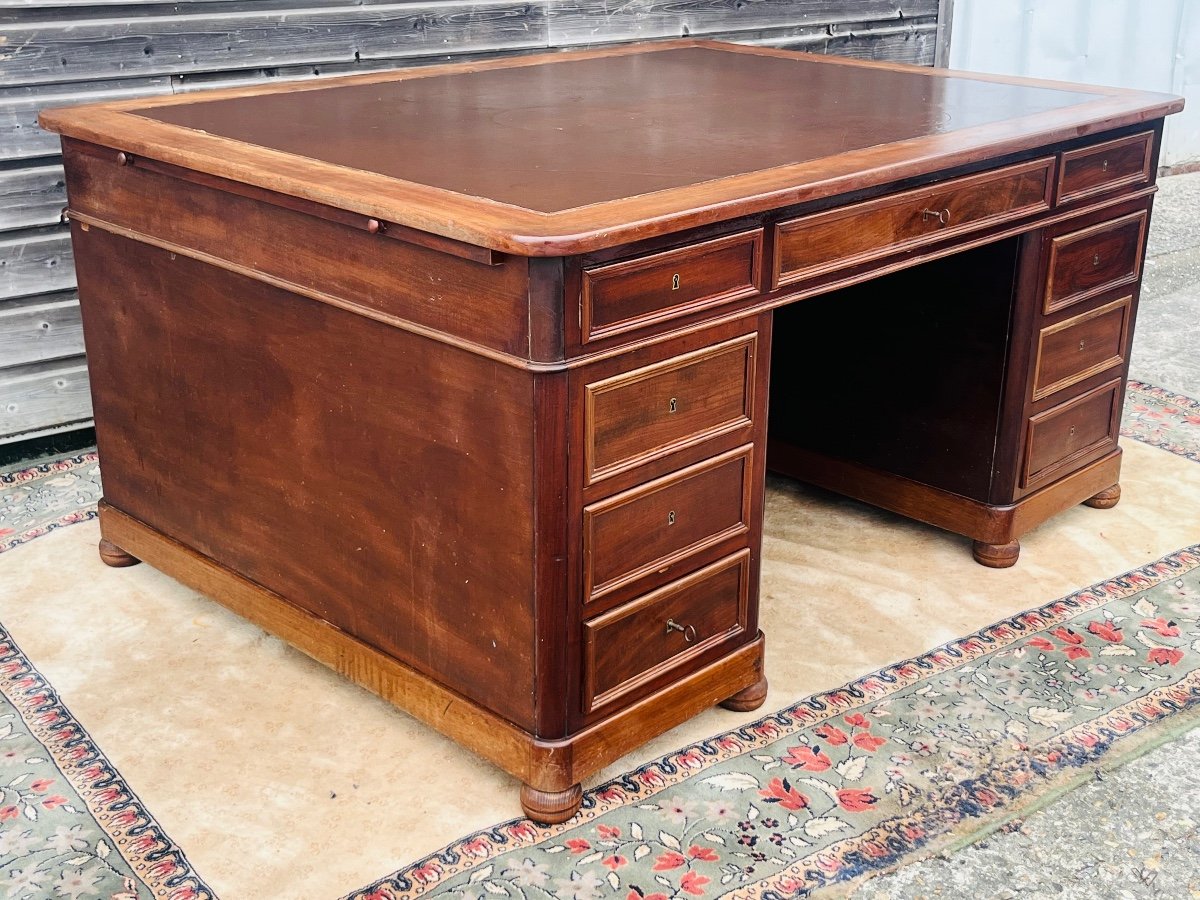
281,780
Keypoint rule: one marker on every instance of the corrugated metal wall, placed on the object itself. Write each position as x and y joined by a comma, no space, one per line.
1148,44
69,51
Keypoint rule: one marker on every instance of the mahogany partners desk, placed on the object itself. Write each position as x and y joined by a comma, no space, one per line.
457,378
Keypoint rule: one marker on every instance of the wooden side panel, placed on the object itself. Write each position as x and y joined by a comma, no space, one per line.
484,304
375,478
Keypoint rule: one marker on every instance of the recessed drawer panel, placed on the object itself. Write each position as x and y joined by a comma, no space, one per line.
1070,434
1086,263
819,243
652,411
1080,347
664,630
1105,167
635,293
654,526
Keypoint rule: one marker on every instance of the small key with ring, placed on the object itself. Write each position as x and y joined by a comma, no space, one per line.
688,631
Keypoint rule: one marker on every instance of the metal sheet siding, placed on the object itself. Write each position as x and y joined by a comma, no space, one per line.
1147,44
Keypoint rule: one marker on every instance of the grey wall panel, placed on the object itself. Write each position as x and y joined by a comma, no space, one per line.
31,196
40,329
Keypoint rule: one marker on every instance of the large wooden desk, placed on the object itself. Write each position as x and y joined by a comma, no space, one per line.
457,378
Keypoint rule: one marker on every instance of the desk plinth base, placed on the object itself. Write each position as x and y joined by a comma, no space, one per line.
550,770
995,529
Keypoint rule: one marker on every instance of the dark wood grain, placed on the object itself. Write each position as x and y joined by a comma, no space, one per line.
499,454
1080,347
1086,263
1076,430
1125,162
852,234
672,628
652,411
624,296
664,523
607,192
313,439
344,262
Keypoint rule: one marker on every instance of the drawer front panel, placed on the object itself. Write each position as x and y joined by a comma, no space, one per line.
664,630
819,243
1071,433
1085,264
1081,347
628,295
1105,167
653,411
659,524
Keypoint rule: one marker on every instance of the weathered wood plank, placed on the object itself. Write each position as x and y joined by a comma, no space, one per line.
20,136
43,395
31,196
79,50
38,329
910,45
591,21
854,39
35,262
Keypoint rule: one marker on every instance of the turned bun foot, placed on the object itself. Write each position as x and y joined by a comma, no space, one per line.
1106,499
996,556
749,698
551,807
114,556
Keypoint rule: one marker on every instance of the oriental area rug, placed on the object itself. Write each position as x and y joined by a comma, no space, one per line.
918,757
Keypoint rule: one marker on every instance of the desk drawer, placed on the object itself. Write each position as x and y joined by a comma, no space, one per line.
1070,434
631,294
657,525
664,630
1105,167
647,413
1084,264
820,243
1080,347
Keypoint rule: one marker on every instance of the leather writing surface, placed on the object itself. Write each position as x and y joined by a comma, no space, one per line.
560,135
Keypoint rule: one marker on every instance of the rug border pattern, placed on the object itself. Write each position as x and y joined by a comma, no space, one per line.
40,470
669,770
155,859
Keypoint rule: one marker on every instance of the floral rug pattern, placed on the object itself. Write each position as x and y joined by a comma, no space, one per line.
1162,419
824,792
52,494
69,826
851,781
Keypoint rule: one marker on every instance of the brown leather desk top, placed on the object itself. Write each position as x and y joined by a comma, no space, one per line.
566,153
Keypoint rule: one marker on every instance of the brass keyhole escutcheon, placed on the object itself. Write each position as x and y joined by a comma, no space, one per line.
1104,166
671,517
674,405
688,631
1096,261
675,282
1072,430
1081,345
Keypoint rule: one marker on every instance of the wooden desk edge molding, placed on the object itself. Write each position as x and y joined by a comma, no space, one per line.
469,402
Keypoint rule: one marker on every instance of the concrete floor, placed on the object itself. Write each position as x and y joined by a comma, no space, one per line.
1133,832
